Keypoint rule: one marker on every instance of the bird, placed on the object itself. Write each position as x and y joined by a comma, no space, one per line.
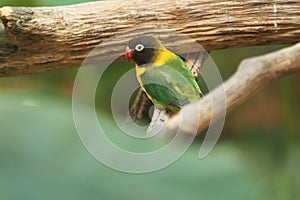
163,75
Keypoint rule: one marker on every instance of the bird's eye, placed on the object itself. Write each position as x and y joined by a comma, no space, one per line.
139,47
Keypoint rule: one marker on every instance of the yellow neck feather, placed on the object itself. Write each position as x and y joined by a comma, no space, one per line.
162,56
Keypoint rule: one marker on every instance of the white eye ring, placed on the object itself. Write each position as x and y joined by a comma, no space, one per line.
139,47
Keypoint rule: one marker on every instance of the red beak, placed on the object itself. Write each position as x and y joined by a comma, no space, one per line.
128,54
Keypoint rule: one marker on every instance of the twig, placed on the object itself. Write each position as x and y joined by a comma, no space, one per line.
252,75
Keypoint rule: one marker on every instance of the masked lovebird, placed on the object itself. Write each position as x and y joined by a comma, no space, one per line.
163,75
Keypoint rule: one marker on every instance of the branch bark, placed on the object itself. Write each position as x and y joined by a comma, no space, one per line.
252,74
52,38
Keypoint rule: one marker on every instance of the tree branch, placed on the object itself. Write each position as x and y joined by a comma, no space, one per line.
252,74
52,38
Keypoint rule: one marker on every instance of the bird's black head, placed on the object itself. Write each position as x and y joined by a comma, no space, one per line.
142,49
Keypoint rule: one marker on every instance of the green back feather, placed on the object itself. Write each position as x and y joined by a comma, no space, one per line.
170,85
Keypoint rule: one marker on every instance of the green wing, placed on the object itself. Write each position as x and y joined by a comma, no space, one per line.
171,84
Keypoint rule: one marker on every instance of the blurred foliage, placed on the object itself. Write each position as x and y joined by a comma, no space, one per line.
41,156
40,2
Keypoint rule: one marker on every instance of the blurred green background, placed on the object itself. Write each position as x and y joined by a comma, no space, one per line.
41,156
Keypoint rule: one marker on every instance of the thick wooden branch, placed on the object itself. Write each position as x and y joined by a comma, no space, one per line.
252,74
51,38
